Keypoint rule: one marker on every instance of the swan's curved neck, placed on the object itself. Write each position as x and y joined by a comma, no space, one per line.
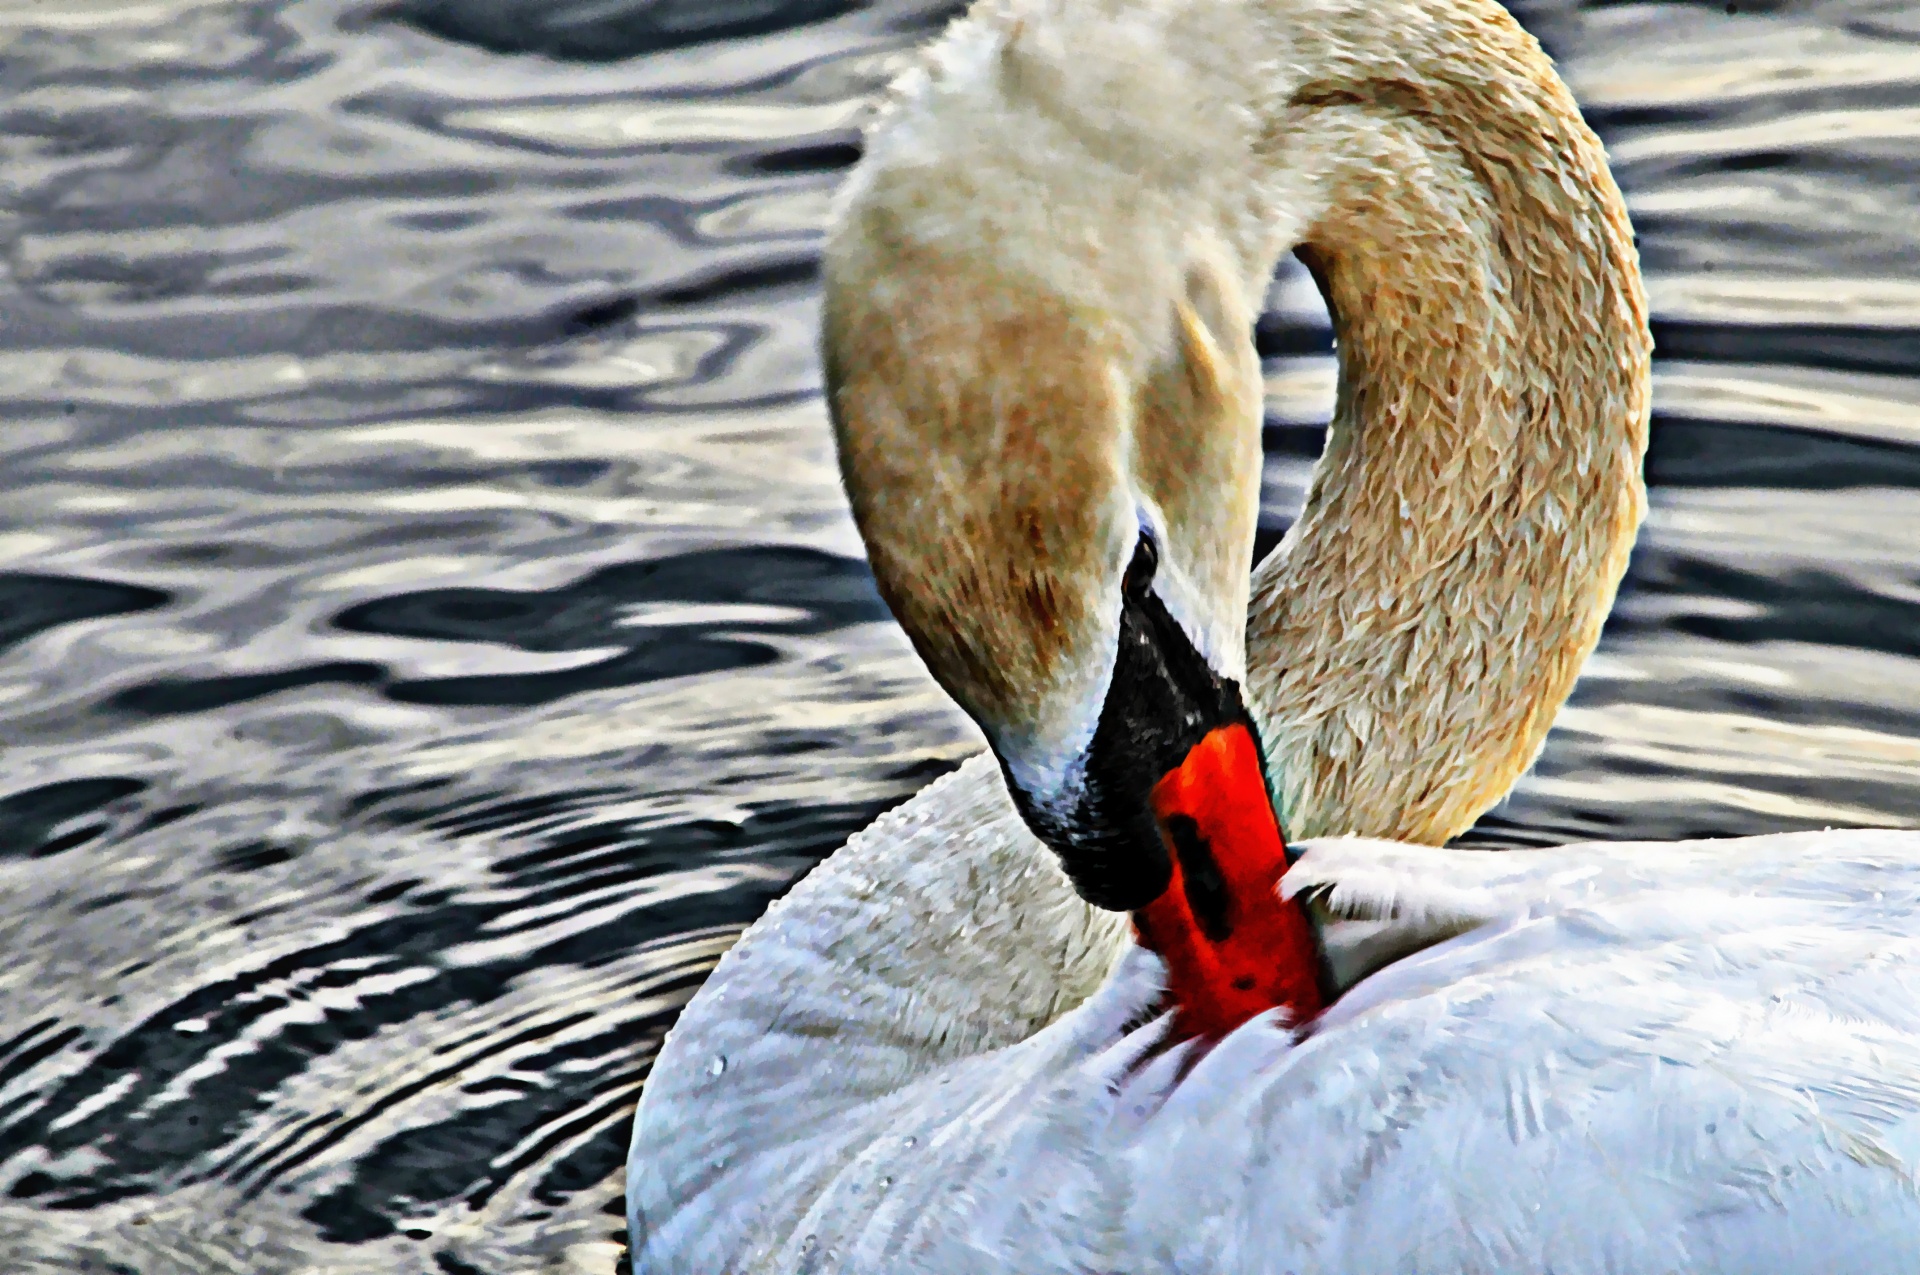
1470,519
1037,299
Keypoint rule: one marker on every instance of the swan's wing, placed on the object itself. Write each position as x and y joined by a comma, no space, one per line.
1694,1057
1367,876
1379,902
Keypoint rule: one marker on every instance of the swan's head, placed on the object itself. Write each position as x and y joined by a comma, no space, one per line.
1048,419
1062,525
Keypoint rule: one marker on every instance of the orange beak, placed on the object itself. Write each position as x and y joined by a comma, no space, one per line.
1233,947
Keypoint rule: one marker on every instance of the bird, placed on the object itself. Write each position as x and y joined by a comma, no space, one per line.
1180,974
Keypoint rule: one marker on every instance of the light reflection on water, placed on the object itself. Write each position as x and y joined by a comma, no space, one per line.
430,626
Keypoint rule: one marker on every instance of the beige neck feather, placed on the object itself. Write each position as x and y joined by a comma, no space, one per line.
1037,300
1470,520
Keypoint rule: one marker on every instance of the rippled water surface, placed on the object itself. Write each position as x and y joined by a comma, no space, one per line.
430,627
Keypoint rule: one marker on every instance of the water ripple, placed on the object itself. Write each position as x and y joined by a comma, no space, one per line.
431,627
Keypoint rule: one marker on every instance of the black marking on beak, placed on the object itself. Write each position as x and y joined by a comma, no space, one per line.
1163,699
1207,895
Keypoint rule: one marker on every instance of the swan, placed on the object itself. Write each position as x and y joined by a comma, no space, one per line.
1079,1006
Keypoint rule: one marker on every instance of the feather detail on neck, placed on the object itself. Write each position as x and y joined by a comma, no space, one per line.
1051,204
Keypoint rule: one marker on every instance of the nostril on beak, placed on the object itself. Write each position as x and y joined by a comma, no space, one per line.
1145,563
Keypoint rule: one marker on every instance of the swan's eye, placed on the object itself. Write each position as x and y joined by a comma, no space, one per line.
1146,561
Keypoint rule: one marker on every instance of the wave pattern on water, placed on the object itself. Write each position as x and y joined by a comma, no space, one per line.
430,627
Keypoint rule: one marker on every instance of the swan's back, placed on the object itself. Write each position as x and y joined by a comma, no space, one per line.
1701,1056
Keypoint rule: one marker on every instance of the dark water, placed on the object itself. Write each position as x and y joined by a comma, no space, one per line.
430,628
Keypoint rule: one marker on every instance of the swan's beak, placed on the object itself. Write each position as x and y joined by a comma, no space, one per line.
1172,820
1163,700
1234,948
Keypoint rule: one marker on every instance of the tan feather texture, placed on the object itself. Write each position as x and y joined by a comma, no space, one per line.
1471,517
1039,301
955,469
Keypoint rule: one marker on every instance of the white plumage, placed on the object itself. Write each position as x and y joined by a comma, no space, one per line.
1697,1056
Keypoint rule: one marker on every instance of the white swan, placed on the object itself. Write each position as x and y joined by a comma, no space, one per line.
936,1054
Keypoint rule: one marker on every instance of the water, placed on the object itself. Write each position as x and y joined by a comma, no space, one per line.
430,627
